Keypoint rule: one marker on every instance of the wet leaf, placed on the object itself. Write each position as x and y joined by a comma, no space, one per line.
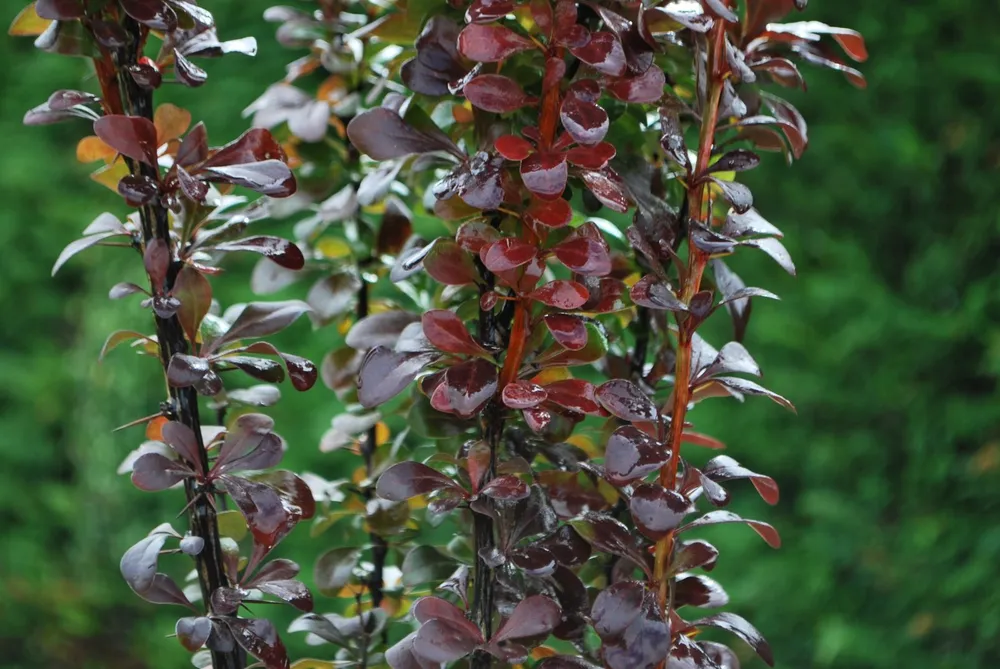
736,194
425,564
466,388
280,251
448,263
385,373
561,294
545,174
153,472
381,329
260,319
490,43
748,387
647,88
62,10
626,401
333,296
632,454
268,177
443,640
603,52
334,569
694,554
132,136
259,638
184,371
575,395
496,93
533,618
267,517
700,591
513,147
725,468
506,488
739,626
448,333
585,251
382,134
523,395
193,632
610,536
583,119
195,293
409,479
507,254
766,532
656,510
138,565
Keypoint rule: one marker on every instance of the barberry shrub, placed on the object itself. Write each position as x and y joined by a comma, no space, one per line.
514,217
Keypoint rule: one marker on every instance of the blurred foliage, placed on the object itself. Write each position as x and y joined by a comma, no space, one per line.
888,342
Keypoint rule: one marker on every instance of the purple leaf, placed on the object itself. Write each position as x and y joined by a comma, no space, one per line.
490,43
268,177
532,618
626,401
131,136
610,536
260,639
385,373
281,251
448,333
656,510
138,565
631,454
382,134
465,388
766,532
193,632
153,472
259,319
724,468
409,479
496,93
737,625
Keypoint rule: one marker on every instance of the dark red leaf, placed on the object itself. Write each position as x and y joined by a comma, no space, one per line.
474,235
646,88
585,251
448,263
153,13
584,120
164,590
506,488
266,515
561,294
294,592
496,93
738,160
739,626
484,11
153,472
651,292
260,319
131,136
193,632
381,329
694,554
624,400
644,643
466,388
385,373
442,640
632,454
533,618
513,147
545,174
59,10
187,370
552,213
736,194
490,43
194,147
569,331
656,510
409,479
724,468
700,591
603,52
594,157
448,333
575,395
720,9
138,565
615,608
275,570
745,386
268,177
607,187
766,532
507,254
382,134
565,662
523,395
610,536
259,638
279,250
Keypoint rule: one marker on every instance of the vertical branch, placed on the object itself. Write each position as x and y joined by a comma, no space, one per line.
137,101
699,209
380,548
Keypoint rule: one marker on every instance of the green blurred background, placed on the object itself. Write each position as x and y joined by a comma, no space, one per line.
888,342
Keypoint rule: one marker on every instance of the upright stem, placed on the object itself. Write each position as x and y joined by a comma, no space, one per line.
379,546
136,101
699,212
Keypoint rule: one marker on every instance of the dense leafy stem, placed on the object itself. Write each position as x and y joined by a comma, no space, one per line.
517,216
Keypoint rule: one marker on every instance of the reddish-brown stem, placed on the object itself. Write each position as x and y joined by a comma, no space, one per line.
699,208
515,349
